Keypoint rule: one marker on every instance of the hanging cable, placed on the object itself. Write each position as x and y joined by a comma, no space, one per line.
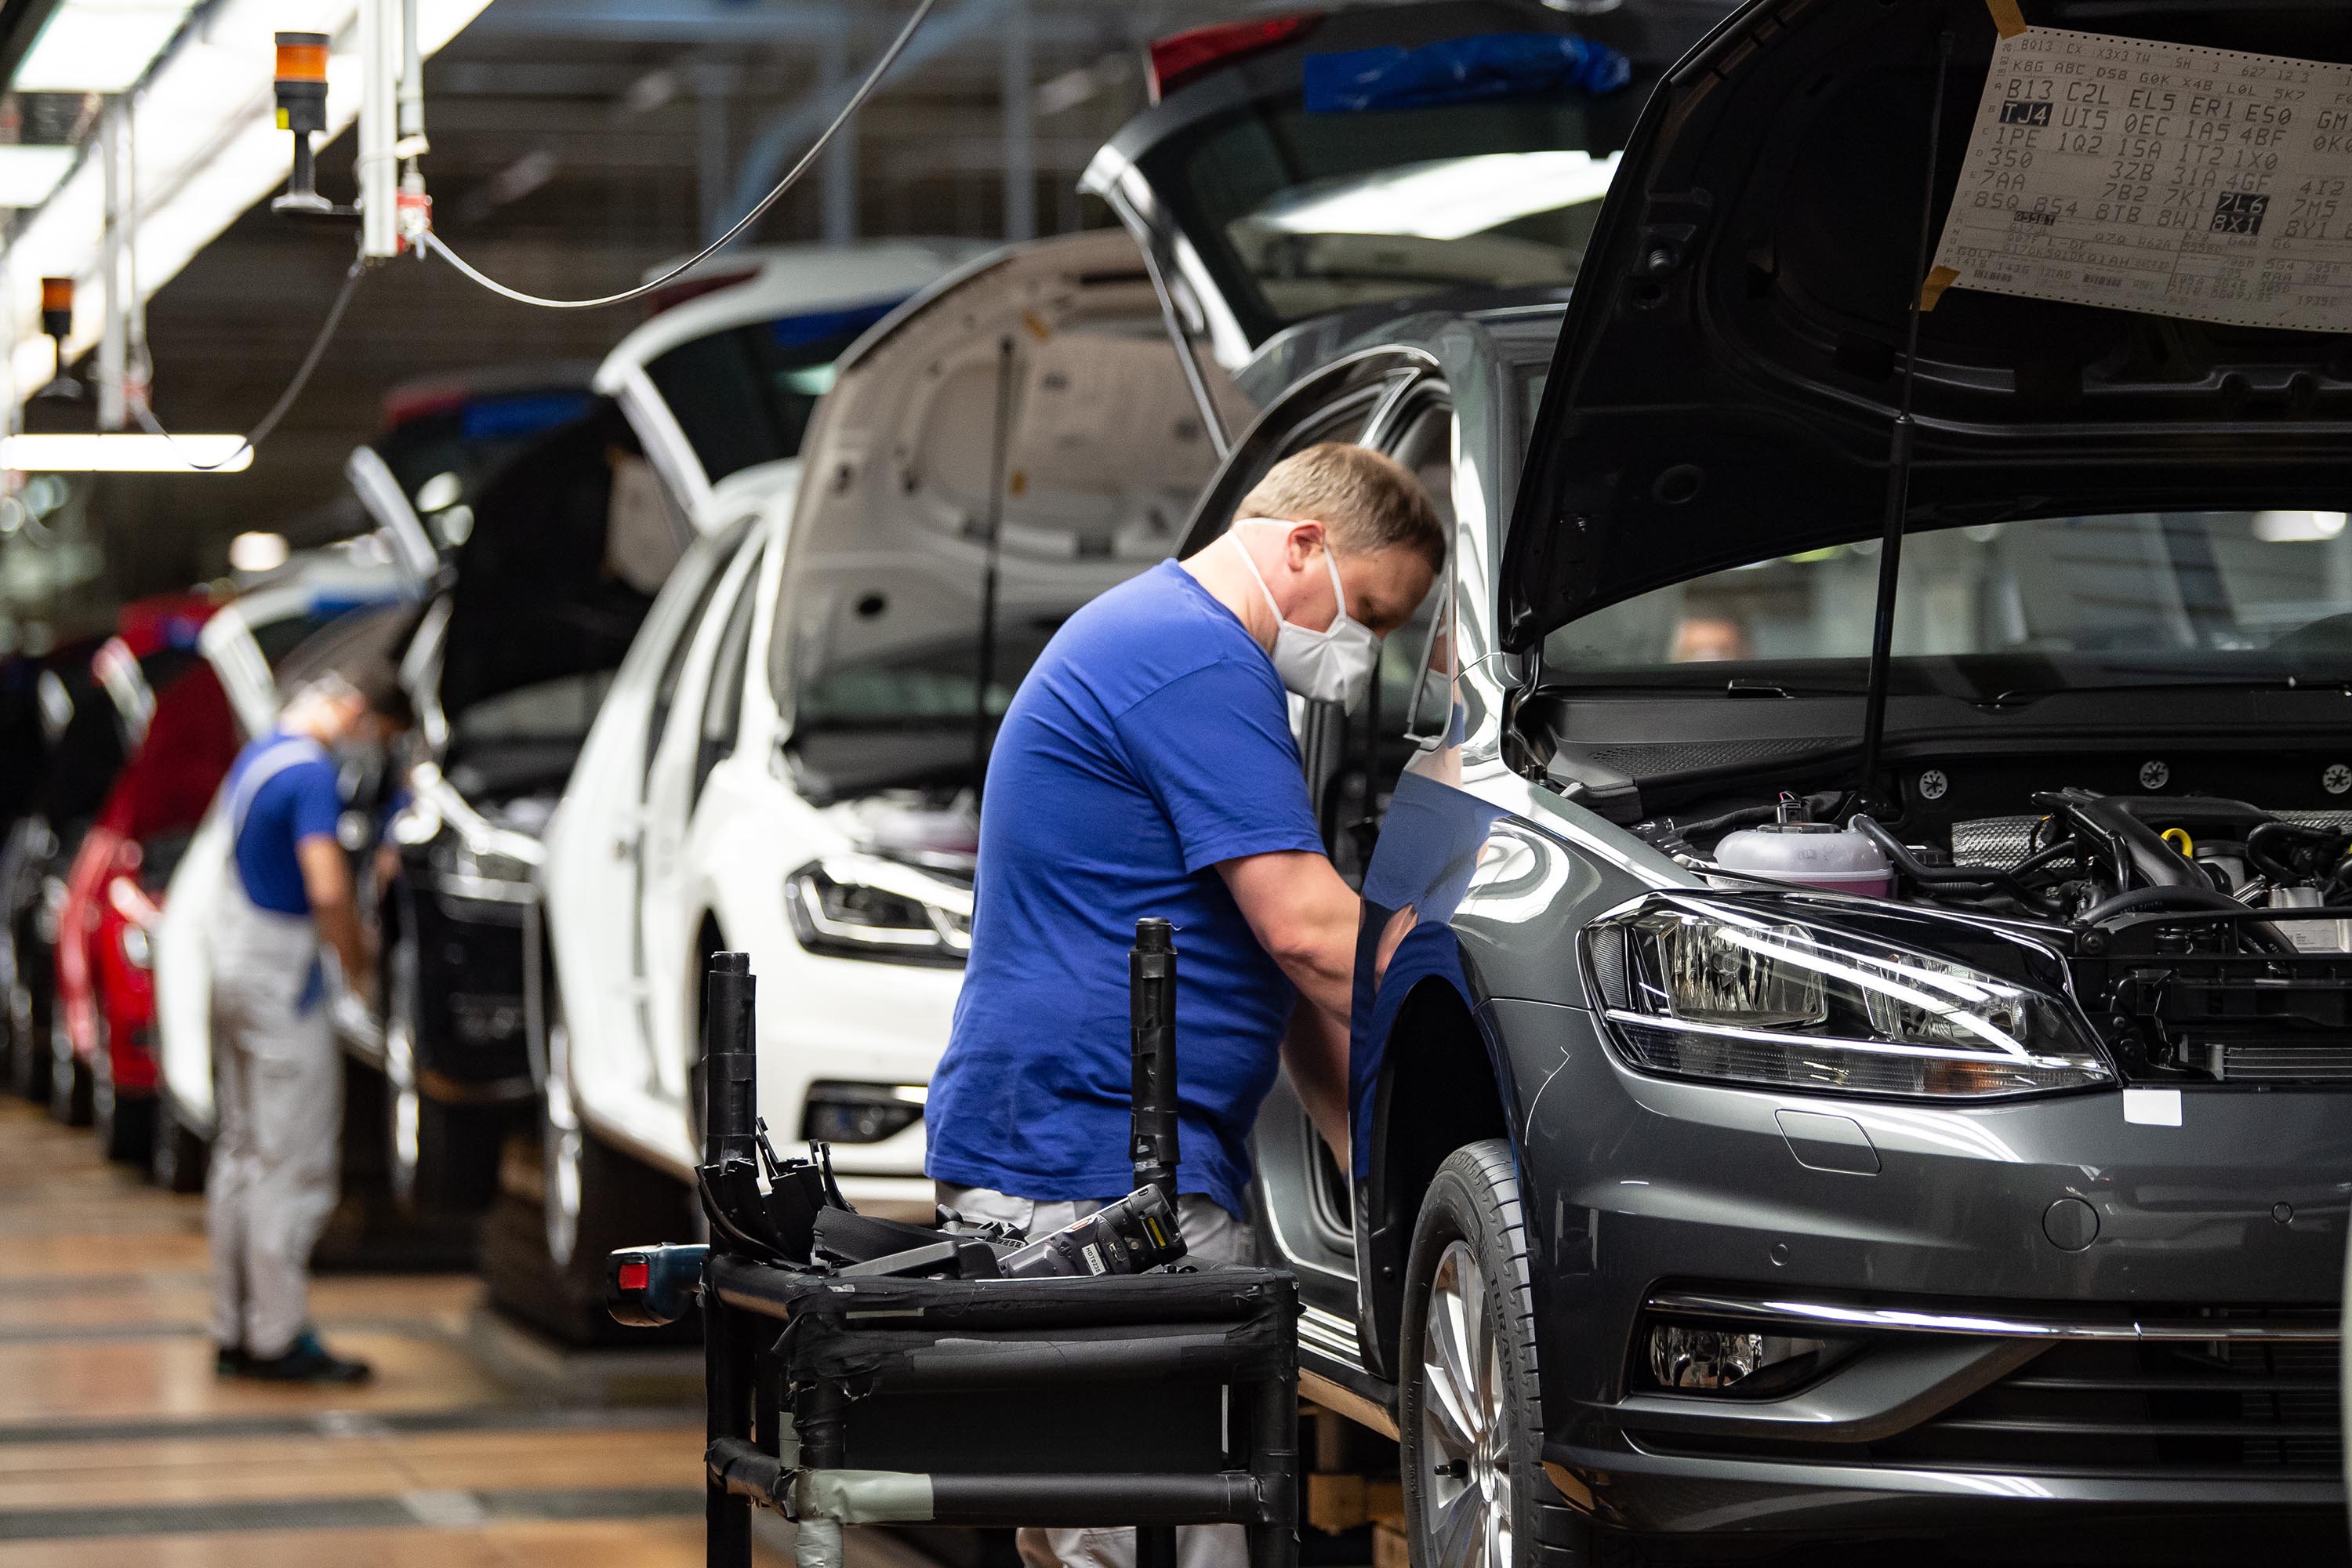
277,410
432,241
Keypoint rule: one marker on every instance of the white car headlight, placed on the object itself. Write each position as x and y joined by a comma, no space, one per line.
1739,997
864,906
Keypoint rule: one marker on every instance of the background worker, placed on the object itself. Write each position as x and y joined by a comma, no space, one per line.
1147,767
279,1074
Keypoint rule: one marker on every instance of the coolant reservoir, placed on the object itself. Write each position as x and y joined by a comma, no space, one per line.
1809,854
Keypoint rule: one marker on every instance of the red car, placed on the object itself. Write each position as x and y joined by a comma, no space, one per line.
105,990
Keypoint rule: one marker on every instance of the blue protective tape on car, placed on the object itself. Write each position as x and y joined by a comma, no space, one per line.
1461,70
488,418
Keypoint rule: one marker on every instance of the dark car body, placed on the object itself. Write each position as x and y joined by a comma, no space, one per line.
2078,1295
508,665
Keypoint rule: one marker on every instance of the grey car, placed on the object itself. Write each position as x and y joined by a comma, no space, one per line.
1758,1135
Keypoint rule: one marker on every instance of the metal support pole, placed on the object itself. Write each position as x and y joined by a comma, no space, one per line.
711,85
1151,1030
114,344
1019,89
730,1126
1274,1447
818,1424
838,174
376,170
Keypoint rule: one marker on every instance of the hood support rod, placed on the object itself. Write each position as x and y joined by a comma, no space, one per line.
1898,461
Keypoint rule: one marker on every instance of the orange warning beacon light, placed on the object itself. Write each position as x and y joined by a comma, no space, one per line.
56,308
302,109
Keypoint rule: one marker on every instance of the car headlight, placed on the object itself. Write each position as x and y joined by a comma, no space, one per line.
1714,992
860,1112
864,906
478,870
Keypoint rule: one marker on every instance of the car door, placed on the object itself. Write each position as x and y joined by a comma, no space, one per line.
664,955
594,841
1302,1198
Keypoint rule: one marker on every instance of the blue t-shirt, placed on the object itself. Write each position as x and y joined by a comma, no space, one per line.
1150,740
281,790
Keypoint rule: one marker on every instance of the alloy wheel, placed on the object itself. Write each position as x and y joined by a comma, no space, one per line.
404,1110
560,1130
1465,1433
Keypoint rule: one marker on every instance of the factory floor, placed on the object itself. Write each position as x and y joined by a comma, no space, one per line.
472,1448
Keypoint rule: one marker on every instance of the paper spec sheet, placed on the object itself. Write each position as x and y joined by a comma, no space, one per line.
2158,177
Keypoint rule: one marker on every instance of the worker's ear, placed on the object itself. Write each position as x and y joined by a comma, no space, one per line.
1300,544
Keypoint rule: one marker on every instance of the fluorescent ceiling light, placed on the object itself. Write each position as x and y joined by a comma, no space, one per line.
124,454
208,149
2297,526
1445,198
98,46
27,174
257,551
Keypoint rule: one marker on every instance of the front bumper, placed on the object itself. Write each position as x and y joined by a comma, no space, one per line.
2046,1226
471,1047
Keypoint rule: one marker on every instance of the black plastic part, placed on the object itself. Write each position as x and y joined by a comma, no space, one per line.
950,1258
1146,1399
1151,1020
673,1276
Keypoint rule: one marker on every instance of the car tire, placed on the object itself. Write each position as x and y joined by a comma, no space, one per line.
1476,1495
69,1079
125,1124
28,1034
544,1262
439,1159
177,1153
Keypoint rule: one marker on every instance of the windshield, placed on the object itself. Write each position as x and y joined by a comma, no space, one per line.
743,396
1299,212
2141,598
443,457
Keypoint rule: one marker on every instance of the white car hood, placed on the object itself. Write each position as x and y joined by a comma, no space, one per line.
888,550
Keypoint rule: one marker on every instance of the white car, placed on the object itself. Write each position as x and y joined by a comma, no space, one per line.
787,760
244,643
557,567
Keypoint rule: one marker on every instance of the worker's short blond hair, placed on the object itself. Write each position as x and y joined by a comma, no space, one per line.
1367,501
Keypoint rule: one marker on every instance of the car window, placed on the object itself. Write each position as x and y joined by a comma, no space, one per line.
743,395
673,667
1298,212
722,705
2169,597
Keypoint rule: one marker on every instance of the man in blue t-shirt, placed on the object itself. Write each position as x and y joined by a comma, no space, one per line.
277,1077
1147,767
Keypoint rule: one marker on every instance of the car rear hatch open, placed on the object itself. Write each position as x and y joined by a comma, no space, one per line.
1005,448
1304,163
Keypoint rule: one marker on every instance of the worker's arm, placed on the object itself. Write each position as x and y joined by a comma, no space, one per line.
1304,918
327,879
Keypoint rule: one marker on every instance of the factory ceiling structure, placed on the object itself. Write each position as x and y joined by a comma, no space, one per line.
575,144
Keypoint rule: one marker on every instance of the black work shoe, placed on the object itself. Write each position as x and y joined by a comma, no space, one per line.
306,1361
228,1360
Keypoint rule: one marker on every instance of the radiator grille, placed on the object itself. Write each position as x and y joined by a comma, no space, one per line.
2219,1405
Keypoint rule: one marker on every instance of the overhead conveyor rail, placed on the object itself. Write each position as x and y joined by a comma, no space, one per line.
1152,1400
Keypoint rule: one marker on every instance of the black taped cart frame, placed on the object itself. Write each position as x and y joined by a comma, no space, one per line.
1151,1401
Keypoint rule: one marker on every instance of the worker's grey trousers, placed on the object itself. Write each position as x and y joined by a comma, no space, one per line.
278,1087
1211,1235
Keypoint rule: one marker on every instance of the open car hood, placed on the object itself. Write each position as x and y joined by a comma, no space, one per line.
887,554
1728,375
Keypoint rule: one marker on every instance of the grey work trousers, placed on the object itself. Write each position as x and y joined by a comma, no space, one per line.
1211,1235
279,1088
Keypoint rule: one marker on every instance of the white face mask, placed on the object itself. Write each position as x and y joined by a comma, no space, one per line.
1334,665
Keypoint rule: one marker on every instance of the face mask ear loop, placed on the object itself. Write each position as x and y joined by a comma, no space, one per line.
1338,595
1259,577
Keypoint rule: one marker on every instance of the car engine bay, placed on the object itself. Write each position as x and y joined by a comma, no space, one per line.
2204,938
